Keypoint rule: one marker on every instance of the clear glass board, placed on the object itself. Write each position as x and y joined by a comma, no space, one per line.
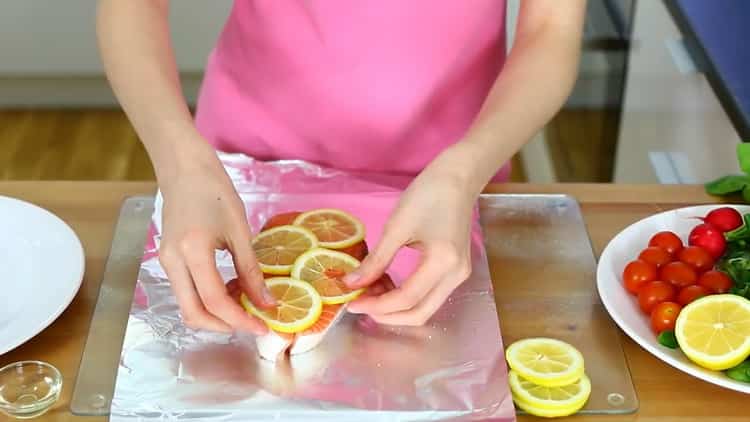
544,273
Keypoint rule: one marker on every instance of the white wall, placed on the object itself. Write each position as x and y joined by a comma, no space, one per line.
48,51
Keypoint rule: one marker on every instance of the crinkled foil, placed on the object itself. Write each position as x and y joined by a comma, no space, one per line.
450,369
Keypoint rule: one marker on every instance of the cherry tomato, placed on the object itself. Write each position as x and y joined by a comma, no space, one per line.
654,293
690,293
655,255
637,273
666,240
696,257
678,273
715,281
664,316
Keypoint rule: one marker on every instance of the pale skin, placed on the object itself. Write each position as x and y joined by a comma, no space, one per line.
202,211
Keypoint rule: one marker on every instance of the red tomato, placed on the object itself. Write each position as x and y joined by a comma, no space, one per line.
696,257
678,273
667,241
715,281
654,293
637,273
655,255
664,316
690,293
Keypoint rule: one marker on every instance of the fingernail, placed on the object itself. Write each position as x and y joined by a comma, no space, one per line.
353,308
267,297
351,278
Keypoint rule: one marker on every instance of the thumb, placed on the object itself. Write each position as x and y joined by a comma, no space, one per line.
249,274
375,263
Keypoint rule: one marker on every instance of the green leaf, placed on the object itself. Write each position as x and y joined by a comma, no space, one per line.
741,232
740,372
743,155
727,185
668,339
746,193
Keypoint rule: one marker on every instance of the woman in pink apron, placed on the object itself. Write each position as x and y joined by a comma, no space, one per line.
421,88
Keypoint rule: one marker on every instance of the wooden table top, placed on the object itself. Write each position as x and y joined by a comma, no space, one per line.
91,208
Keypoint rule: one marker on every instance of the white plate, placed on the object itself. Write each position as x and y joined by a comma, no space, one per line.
41,269
623,307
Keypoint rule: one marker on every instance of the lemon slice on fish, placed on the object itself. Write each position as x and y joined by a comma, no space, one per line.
323,269
298,305
334,228
277,248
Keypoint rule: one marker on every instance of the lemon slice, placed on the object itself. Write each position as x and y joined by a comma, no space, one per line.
323,269
276,249
298,305
335,229
545,361
544,413
568,398
714,331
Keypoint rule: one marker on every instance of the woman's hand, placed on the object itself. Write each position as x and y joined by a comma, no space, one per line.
434,215
202,212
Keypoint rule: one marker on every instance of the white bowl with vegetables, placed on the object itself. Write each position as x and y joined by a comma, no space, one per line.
678,270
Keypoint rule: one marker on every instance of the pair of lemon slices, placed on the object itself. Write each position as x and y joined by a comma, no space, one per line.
306,267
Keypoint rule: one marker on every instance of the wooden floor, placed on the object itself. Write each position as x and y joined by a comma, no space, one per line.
95,144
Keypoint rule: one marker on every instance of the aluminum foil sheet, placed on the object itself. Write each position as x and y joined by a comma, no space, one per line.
450,369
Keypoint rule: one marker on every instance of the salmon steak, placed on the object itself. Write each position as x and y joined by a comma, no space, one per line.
275,345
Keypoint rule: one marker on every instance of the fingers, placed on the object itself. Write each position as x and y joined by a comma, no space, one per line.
441,271
250,277
421,313
199,259
383,285
193,313
403,298
375,263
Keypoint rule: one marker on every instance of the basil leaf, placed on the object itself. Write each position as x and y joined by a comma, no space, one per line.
743,155
668,339
727,184
740,372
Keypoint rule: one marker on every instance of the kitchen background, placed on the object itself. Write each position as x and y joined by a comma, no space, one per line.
650,104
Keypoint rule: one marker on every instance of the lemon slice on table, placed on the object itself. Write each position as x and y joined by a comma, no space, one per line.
276,249
546,362
298,305
323,269
549,401
335,229
714,331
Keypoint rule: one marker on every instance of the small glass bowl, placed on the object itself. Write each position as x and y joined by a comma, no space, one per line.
28,388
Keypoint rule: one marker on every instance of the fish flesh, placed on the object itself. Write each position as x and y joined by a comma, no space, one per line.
275,345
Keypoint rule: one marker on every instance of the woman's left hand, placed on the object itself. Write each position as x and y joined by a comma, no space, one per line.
434,216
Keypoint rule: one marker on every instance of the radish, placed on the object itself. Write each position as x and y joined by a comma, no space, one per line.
709,238
724,219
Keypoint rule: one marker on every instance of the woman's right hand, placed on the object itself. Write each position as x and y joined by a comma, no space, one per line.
202,212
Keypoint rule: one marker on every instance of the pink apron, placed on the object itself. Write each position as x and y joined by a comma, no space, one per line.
369,86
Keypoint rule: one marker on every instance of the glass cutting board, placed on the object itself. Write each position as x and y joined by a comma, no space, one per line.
544,273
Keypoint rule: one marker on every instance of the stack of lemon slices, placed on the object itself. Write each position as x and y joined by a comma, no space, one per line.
305,267
547,377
